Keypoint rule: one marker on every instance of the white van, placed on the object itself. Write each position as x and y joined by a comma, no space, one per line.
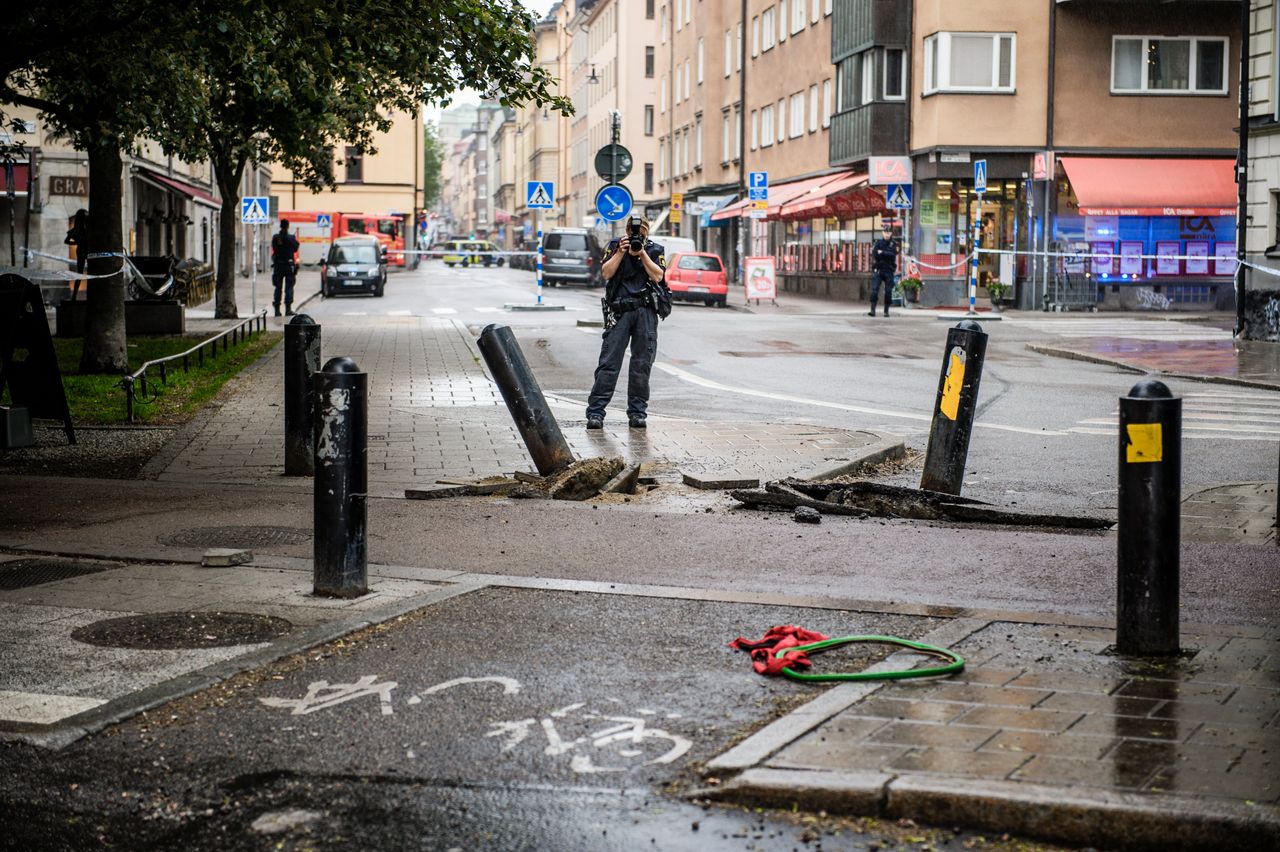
674,245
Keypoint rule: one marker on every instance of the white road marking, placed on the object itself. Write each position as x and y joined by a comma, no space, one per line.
1129,329
487,310
1216,415
321,695
443,311
355,313
399,313
39,708
510,686
822,403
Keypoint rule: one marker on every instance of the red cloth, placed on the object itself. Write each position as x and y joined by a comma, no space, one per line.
764,652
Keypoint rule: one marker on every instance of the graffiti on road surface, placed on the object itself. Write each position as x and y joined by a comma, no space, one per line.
595,742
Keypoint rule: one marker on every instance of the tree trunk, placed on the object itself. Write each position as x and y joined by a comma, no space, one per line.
105,345
228,174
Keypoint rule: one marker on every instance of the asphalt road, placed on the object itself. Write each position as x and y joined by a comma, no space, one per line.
1044,438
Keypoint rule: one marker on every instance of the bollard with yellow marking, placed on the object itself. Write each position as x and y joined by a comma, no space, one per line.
953,414
1149,506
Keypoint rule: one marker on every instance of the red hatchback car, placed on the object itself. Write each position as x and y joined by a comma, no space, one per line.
697,276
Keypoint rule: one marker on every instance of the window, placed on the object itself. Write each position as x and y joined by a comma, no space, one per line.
662,159
648,61
700,59
648,178
814,14
725,146
797,16
675,85
844,97
662,95
755,130
561,241
895,74
766,30
782,21
826,7
688,77
355,164
648,9
867,73
737,132
782,119
813,108
741,46
663,24
1165,66
797,115
755,37
969,62
688,11
702,264
697,143
826,103
684,152
728,53
648,119
679,17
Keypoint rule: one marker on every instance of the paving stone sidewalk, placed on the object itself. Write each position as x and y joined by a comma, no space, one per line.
1049,734
435,414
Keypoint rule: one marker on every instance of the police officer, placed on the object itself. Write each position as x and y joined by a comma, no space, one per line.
633,269
284,247
884,263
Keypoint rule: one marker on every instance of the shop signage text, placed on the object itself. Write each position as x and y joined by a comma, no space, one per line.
68,185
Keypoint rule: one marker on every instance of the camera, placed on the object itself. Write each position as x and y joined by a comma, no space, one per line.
633,228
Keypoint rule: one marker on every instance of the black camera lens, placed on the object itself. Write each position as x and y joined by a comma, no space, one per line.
637,242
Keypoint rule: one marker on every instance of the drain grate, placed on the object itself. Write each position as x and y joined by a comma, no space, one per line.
22,573
244,536
166,631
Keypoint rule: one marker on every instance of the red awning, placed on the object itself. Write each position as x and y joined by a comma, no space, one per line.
847,197
21,175
191,191
778,195
1130,186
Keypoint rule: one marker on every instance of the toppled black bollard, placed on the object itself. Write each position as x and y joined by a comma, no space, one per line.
341,480
954,409
301,361
1147,537
524,400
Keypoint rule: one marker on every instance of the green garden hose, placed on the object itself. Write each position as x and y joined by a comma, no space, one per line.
956,664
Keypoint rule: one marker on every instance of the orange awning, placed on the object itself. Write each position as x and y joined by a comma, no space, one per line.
1132,186
847,197
778,195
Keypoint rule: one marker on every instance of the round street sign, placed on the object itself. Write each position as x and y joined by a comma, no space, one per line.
604,162
613,202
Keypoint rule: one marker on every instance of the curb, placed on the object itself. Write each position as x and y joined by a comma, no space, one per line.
883,450
1072,355
67,731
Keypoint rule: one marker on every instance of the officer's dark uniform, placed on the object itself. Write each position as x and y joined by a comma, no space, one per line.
636,325
884,263
284,246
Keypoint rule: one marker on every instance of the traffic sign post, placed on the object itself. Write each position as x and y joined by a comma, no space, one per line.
613,202
898,196
979,187
613,162
254,212
539,195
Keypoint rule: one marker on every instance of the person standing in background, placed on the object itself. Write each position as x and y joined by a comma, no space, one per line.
884,265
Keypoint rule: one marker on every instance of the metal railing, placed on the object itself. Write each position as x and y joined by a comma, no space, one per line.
136,385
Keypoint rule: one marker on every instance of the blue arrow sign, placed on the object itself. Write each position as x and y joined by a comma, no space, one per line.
898,196
979,175
541,195
253,210
758,180
613,202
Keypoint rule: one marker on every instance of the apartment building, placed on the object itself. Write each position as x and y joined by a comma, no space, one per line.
1262,236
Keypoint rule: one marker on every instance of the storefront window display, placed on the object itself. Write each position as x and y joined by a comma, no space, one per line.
943,227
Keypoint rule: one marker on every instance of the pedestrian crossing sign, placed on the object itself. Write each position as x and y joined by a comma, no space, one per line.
541,194
979,176
898,196
253,210
324,220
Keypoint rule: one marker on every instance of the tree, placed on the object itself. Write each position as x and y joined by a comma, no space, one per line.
103,98
433,162
289,81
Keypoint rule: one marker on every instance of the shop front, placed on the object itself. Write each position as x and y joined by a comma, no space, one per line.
1148,233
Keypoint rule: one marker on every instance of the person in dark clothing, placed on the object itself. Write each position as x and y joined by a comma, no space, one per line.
284,268
78,236
884,263
634,268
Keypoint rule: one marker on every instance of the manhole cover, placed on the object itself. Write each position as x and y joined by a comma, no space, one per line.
237,537
163,631
21,573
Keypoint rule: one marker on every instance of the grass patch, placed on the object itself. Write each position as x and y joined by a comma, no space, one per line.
101,400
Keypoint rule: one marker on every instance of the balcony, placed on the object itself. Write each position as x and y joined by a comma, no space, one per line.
874,129
859,24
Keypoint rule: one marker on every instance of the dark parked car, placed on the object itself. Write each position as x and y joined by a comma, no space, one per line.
354,265
571,256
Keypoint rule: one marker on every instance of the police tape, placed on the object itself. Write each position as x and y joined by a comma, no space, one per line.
1269,270
960,263
67,275
462,253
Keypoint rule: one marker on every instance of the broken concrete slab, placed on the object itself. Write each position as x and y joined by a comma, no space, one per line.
437,492
625,482
583,479
720,480
225,557
806,515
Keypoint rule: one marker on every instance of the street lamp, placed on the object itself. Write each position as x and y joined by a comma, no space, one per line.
593,79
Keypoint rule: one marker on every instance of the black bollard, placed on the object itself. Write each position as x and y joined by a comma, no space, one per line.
953,413
1149,513
341,480
301,360
524,398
